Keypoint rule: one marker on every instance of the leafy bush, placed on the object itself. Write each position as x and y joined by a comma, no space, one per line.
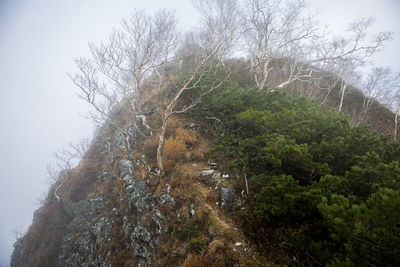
196,245
318,188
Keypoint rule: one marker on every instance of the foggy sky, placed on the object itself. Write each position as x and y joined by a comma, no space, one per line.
39,110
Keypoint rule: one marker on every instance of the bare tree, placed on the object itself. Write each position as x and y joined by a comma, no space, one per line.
309,61
376,88
213,41
273,30
120,69
17,233
394,102
281,31
65,160
79,149
221,19
137,56
346,70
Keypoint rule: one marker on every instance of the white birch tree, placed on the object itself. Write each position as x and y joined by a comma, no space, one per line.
394,102
282,31
119,69
212,41
376,89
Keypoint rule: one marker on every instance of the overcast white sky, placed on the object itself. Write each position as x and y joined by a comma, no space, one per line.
39,110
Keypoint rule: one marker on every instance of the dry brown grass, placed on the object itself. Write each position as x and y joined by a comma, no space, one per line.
185,170
80,182
150,147
172,124
201,150
149,95
174,148
188,137
174,151
41,242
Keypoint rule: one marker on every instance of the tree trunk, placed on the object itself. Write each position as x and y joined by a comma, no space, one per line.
160,145
284,84
396,119
342,97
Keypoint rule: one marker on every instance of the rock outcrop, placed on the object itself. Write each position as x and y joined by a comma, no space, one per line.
119,211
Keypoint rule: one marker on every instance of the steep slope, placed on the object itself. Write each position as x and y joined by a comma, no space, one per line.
123,213
252,178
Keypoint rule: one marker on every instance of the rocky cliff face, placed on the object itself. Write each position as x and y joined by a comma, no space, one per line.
115,208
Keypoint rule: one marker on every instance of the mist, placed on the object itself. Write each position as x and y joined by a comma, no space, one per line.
40,112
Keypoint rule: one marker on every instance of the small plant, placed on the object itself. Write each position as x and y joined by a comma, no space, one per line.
196,245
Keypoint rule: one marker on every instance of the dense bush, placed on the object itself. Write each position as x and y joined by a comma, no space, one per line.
325,192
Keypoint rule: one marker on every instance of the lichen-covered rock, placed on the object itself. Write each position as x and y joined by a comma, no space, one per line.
126,225
212,164
126,218
228,200
167,199
85,232
144,256
205,172
192,212
125,167
104,176
157,218
120,140
133,133
140,198
84,208
192,126
141,233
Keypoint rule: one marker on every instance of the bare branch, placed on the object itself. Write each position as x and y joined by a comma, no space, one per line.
214,40
118,69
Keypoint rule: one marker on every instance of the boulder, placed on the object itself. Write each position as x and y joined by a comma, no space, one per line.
125,167
205,172
140,198
227,200
167,199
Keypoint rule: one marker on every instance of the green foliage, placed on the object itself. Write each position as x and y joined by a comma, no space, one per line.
187,229
369,231
196,245
318,188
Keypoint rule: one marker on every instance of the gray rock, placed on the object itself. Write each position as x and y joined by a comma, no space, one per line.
125,167
87,231
216,175
126,225
141,251
225,176
192,126
133,132
102,229
84,208
167,199
140,198
141,233
168,188
129,180
103,176
205,172
116,212
142,262
213,165
191,210
120,140
157,220
228,199
75,209
130,188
